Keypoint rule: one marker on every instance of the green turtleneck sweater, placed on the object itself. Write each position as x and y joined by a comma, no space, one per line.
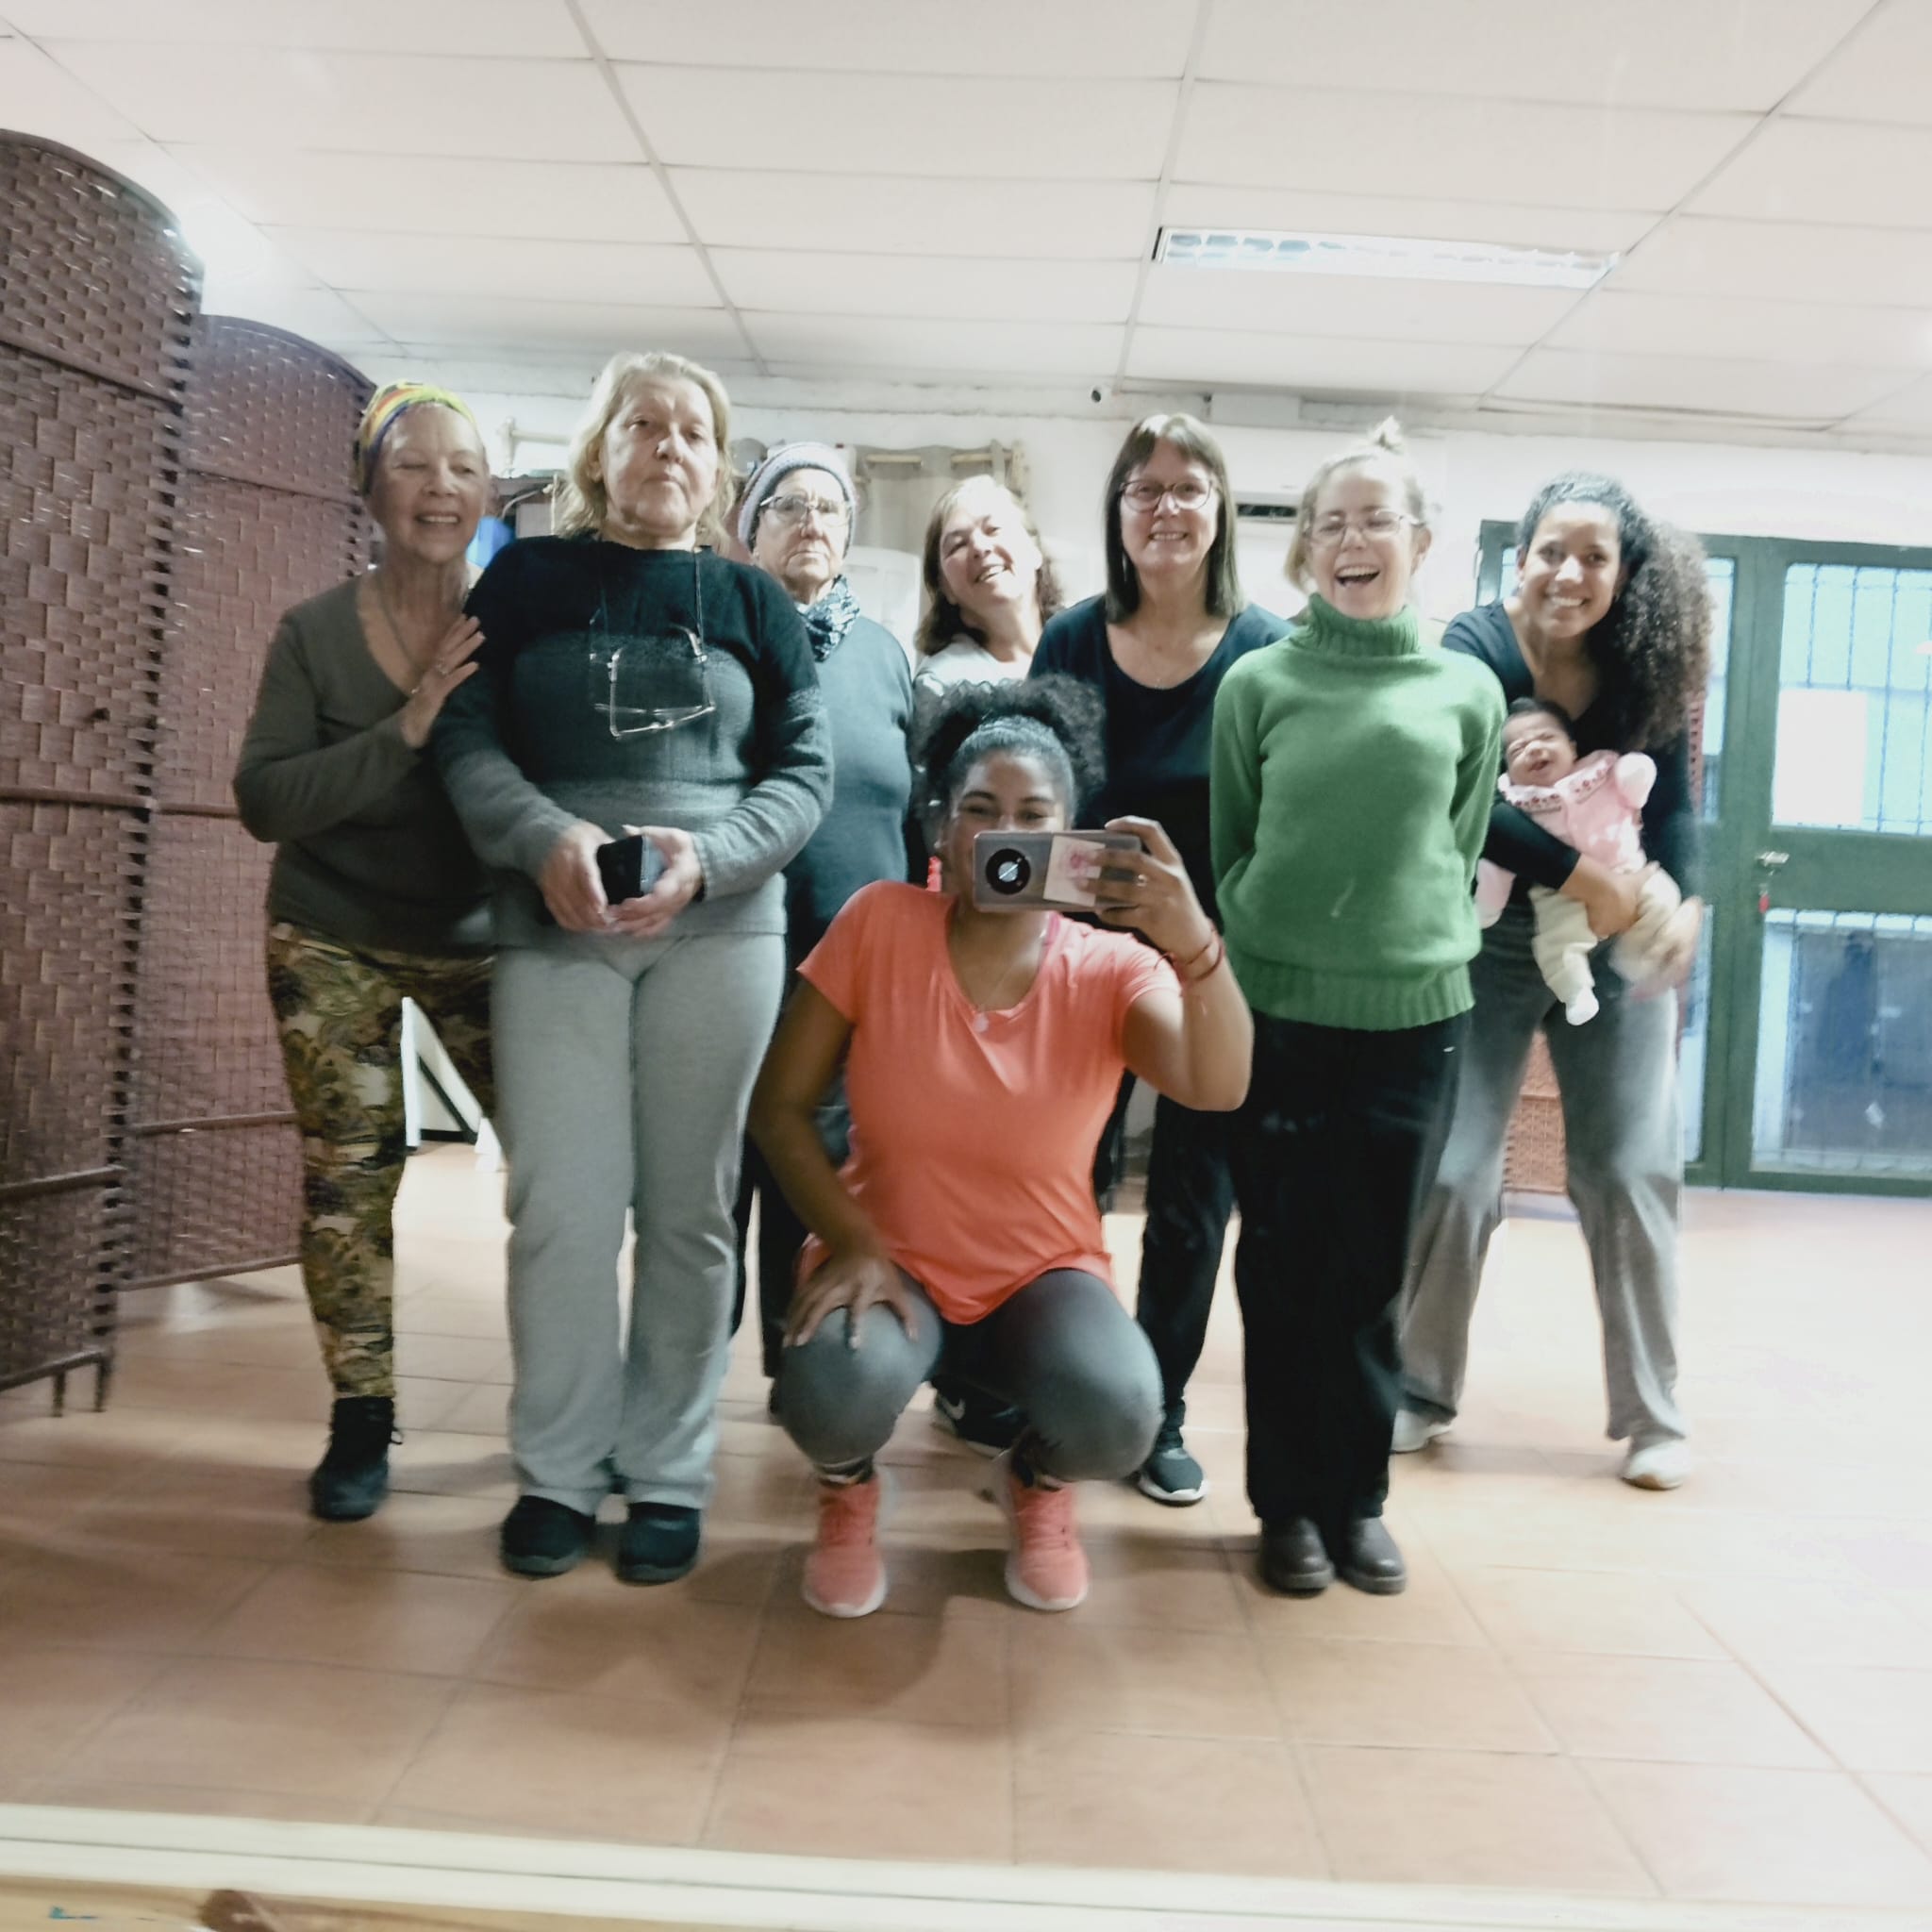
1354,769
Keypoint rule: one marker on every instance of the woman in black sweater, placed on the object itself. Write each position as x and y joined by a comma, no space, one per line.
1610,619
1156,647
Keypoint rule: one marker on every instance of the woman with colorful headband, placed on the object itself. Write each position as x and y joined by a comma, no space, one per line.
375,896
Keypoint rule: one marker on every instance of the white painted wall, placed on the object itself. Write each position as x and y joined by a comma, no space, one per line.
1472,476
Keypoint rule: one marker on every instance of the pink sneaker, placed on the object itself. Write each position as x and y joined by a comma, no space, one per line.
843,1575
1047,1568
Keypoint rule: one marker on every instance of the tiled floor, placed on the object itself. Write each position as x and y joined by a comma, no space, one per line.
1722,1694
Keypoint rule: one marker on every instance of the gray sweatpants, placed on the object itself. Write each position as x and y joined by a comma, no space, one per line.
625,1069
1618,1076
1062,1350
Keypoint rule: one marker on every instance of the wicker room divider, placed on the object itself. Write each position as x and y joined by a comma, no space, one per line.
266,518
96,298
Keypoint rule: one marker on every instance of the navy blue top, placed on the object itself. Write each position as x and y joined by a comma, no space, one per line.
1159,742
1516,841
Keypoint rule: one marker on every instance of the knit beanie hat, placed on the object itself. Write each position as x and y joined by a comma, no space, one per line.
778,464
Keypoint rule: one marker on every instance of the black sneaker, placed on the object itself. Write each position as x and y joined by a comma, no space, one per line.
541,1538
351,1479
1170,1474
659,1543
985,1426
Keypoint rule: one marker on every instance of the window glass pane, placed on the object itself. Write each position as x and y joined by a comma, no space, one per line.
1854,700
1844,1044
1693,1048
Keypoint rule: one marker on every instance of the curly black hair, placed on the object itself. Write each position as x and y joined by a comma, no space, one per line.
1057,719
1652,650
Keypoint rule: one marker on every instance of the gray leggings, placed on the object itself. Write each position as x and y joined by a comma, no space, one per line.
1062,1350
623,1070
1618,1076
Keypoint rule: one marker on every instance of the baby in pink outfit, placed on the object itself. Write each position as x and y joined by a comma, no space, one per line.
1596,805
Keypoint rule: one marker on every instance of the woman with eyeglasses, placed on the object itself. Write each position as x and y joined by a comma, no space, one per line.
1154,648
1354,769
632,683
1610,618
990,587
795,519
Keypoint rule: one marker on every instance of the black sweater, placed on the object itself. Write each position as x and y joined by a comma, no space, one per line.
1159,742
1516,842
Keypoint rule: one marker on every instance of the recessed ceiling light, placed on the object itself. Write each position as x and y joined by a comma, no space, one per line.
1391,256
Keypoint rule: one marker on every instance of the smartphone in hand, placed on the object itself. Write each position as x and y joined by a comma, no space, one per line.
1026,872
629,867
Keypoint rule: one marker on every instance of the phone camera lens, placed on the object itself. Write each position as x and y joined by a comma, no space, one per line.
1008,870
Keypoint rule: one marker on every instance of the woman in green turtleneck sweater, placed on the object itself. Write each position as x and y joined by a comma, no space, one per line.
1354,767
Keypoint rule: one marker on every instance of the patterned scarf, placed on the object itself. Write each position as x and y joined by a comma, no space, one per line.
388,403
831,618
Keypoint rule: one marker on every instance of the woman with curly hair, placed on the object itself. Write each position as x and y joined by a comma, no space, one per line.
982,1052
1610,619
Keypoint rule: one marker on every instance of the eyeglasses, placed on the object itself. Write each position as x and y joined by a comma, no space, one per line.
794,509
1376,524
1147,494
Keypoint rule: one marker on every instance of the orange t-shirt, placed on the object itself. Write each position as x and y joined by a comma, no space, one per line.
973,1133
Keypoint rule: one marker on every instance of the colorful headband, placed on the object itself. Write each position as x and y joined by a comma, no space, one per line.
390,402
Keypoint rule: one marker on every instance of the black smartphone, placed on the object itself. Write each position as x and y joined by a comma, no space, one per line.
1020,872
629,867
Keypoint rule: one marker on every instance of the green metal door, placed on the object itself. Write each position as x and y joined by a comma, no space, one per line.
1807,1038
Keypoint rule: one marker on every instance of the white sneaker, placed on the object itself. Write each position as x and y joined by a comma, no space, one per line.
1413,1432
1661,1463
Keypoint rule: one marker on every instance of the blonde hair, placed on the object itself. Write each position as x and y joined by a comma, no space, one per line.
943,621
582,502
1383,443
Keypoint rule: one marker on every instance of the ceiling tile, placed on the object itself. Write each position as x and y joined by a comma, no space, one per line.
938,287
1908,409
1092,130
1879,74
1378,308
1717,386
362,27
1350,142
1827,171
1594,231
279,98
1194,358
1073,221
319,314
534,328
1694,255
1642,53
1067,38
437,195
605,271
40,98
1753,330
868,346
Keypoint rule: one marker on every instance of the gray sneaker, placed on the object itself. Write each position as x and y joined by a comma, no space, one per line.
1170,1474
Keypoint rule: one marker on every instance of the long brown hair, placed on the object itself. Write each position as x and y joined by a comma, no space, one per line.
943,621
1196,441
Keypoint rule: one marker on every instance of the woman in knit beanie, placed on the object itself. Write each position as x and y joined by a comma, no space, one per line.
1352,769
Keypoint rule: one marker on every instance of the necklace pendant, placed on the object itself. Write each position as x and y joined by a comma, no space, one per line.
981,1023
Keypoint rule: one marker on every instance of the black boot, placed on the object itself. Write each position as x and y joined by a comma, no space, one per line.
351,1479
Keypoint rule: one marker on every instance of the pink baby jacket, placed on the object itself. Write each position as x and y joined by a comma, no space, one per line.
1597,808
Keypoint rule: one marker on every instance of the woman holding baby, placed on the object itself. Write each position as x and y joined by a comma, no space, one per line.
1609,623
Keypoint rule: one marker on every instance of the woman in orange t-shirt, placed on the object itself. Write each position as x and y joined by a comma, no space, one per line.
982,1052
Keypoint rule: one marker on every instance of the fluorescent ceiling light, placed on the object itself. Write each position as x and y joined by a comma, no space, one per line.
1381,255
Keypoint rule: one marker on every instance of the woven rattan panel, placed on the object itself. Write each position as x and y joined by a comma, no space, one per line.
267,520
95,299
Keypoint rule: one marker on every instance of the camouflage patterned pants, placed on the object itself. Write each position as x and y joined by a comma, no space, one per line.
340,1013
